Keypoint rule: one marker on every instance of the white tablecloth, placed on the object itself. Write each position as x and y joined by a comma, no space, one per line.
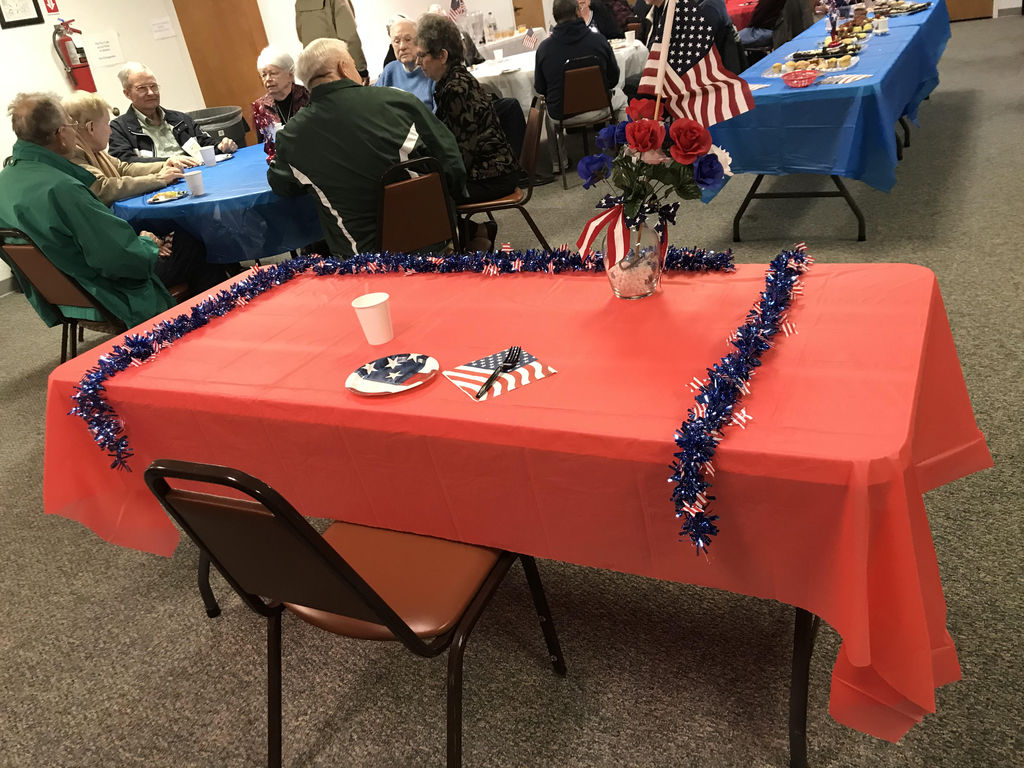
513,76
510,46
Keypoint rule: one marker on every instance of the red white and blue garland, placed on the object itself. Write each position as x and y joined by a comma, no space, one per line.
696,439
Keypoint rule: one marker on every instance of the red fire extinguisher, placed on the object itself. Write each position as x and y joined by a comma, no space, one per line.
72,57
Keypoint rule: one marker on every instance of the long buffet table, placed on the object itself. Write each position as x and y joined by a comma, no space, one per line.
842,130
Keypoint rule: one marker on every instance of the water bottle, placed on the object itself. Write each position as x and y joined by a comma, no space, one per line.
491,28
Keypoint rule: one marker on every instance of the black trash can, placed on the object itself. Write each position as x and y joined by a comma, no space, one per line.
221,122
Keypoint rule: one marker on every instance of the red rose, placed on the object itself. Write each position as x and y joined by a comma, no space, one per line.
690,140
639,109
645,135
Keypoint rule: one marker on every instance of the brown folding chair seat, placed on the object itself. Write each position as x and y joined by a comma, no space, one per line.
360,582
414,208
583,90
518,198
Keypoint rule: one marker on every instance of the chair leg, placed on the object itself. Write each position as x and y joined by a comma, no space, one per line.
64,342
203,577
81,333
274,690
74,338
906,130
805,628
533,226
560,148
540,603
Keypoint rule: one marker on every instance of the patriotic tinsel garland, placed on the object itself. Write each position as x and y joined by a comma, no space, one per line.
696,439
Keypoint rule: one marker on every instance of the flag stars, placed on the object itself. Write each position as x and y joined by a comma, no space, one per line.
392,363
395,375
369,368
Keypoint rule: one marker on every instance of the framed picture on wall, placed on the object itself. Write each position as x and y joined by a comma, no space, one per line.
19,13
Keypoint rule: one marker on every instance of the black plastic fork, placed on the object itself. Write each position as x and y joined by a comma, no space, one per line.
509,363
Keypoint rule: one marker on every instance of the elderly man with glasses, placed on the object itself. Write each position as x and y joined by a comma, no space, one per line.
148,131
47,197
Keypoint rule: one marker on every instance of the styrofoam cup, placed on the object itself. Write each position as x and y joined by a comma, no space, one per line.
499,54
631,36
194,179
209,155
374,315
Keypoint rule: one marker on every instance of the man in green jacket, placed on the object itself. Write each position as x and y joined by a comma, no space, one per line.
47,197
340,144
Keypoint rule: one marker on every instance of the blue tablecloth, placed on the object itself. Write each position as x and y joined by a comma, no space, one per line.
844,130
238,218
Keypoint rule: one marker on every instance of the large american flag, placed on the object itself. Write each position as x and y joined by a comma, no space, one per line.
471,376
458,8
697,85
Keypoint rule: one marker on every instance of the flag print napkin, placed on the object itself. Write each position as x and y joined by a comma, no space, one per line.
471,376
842,79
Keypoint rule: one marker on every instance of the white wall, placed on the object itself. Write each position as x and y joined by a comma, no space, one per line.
29,62
371,19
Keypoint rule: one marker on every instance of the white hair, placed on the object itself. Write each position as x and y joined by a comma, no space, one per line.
272,56
132,68
320,57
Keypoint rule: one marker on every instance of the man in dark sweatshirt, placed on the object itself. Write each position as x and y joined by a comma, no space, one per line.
572,39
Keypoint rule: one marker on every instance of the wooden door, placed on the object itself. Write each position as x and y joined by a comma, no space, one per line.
529,13
224,38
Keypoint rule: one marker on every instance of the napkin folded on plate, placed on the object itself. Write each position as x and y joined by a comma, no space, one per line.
471,376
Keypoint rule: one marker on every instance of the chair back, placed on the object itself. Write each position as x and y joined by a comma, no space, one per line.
583,87
264,548
634,26
510,115
531,142
413,207
48,281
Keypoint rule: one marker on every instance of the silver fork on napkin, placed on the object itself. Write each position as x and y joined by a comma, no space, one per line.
509,363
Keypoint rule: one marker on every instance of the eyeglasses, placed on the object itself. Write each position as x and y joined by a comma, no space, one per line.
142,89
72,124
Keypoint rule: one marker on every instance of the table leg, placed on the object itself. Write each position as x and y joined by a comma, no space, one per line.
842,192
905,124
804,630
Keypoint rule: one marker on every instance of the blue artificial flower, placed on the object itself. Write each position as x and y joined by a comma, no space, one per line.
620,132
606,137
708,171
593,168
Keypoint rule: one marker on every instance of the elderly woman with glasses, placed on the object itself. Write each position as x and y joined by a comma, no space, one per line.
115,179
284,97
467,110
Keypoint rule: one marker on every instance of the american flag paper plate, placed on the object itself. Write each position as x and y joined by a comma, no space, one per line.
392,374
470,376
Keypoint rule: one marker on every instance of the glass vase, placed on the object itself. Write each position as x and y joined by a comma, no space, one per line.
637,272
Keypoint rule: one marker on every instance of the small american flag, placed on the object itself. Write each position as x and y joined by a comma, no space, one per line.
530,41
458,8
470,376
697,85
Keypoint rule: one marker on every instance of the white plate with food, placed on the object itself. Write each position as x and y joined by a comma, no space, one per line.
819,65
167,196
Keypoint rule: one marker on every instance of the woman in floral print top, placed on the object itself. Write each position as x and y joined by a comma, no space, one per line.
467,110
284,97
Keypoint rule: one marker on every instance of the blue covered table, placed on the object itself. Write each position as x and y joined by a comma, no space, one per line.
842,130
238,218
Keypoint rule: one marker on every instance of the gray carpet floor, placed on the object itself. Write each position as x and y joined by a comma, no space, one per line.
107,658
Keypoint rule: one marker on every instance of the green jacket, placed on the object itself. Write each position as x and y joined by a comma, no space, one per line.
341,143
47,197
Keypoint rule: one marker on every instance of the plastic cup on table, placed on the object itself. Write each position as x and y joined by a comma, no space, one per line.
374,315
194,179
499,54
630,35
209,155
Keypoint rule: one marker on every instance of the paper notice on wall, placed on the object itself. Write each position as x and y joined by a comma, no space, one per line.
104,49
162,28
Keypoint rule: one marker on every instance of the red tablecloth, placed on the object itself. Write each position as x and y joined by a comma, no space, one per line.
740,12
820,496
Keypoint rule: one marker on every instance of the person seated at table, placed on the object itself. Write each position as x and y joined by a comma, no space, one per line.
758,33
340,145
622,12
284,97
148,130
47,197
115,179
468,111
572,39
599,18
404,73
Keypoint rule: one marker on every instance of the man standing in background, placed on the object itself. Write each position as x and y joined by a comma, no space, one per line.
331,18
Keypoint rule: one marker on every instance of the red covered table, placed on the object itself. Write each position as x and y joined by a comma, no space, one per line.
740,11
854,417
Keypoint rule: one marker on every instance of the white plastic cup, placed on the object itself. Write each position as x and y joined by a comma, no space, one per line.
194,179
499,54
374,315
209,155
630,36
